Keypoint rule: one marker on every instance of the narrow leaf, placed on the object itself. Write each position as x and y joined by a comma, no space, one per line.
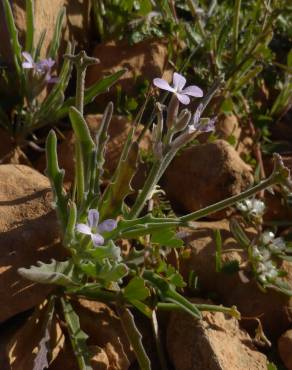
77,336
57,34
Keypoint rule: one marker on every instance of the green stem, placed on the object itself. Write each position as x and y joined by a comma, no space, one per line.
196,16
146,191
80,87
230,201
232,311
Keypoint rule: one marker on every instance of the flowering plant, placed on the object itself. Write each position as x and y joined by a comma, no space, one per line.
93,222
32,110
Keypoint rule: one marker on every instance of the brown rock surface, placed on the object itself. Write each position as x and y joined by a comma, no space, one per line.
205,174
23,347
105,331
28,233
213,343
144,60
76,23
118,131
272,308
285,348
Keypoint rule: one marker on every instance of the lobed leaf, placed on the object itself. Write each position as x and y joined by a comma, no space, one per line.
60,273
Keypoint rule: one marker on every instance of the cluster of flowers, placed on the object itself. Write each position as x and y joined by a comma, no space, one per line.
262,254
43,68
183,94
252,208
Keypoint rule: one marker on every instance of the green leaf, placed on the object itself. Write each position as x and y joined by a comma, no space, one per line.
56,176
280,285
55,44
29,37
84,147
136,289
77,336
60,273
238,233
110,204
49,106
134,337
167,238
91,93
169,294
13,35
39,46
110,251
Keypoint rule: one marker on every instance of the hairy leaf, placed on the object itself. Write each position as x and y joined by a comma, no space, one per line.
60,273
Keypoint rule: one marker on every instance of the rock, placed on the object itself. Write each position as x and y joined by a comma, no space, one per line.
76,23
28,233
143,61
24,345
67,359
228,128
107,333
284,348
214,343
118,131
274,309
205,174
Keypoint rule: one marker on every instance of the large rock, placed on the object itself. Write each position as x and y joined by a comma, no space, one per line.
205,174
285,348
28,233
143,61
272,308
213,343
76,24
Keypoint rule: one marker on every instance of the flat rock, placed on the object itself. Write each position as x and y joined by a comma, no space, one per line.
214,343
28,233
205,174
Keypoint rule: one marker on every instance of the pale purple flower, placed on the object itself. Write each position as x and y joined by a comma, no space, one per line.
202,125
43,67
94,229
178,82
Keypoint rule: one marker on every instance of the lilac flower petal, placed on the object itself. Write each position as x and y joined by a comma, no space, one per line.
52,80
193,91
178,82
162,84
83,229
93,217
27,65
197,115
184,99
107,225
28,57
97,239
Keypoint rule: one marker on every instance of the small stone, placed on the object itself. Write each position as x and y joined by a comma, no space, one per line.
285,348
